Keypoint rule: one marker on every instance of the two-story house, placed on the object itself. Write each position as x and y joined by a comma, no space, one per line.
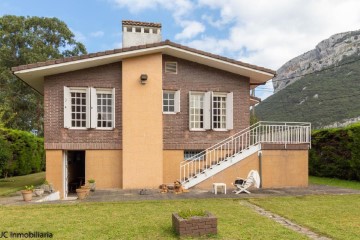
156,111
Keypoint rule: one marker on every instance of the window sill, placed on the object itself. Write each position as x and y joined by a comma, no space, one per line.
169,113
104,129
220,130
197,130
77,128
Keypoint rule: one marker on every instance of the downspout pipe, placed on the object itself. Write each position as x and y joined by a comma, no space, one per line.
260,167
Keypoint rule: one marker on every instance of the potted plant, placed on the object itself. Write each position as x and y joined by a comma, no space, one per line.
81,193
87,188
39,192
194,223
48,187
27,193
92,184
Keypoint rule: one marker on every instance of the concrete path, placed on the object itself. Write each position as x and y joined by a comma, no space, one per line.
285,222
116,195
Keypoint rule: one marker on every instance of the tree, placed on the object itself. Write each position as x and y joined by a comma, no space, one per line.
25,40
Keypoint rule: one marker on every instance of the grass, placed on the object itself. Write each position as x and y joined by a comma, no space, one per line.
138,220
335,216
334,182
13,184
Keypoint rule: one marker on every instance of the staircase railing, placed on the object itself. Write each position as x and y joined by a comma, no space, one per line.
261,132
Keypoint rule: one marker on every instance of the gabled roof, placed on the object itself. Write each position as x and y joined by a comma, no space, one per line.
33,74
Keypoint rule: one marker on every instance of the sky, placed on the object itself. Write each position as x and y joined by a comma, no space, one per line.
261,32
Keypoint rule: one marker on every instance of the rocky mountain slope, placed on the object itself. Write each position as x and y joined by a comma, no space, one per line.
327,93
327,53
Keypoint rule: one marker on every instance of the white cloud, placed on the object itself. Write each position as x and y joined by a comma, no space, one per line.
273,32
260,32
179,8
97,34
191,30
79,36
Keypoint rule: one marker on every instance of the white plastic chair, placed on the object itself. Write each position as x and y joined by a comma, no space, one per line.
253,179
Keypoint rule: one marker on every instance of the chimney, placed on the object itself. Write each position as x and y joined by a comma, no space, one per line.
136,33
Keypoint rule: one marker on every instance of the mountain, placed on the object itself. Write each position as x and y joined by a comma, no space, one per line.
321,86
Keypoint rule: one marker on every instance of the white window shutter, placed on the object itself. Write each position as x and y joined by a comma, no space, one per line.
189,110
67,107
93,108
113,107
229,111
88,104
177,101
207,110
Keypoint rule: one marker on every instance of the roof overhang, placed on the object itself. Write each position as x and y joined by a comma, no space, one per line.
35,76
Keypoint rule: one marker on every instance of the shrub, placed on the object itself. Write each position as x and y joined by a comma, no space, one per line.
186,214
335,153
21,153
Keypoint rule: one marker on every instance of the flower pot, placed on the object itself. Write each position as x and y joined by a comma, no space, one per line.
47,188
87,188
39,192
27,195
194,226
81,193
92,186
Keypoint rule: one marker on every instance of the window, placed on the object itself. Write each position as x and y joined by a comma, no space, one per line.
191,153
104,109
171,101
196,111
210,111
89,108
168,102
171,67
78,108
219,112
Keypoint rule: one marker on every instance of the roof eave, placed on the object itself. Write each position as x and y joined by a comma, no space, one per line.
35,76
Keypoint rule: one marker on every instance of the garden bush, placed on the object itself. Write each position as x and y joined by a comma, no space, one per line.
21,153
335,153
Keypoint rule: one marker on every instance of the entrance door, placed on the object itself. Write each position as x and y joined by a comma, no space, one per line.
75,170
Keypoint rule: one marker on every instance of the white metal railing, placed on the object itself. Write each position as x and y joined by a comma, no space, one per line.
261,132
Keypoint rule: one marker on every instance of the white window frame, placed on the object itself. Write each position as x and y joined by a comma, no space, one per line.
68,107
190,108
94,112
191,153
171,62
176,102
208,98
222,95
91,107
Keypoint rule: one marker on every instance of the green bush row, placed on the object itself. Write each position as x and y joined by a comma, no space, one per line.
335,153
21,153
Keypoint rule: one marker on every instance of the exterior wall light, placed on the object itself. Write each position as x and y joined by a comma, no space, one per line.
143,78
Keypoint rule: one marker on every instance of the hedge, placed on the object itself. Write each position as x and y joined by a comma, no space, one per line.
21,153
335,153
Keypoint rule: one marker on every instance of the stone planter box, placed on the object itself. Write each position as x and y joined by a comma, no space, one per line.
195,226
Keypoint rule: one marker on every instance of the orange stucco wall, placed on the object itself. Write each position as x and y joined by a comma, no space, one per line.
105,166
228,176
142,122
284,168
280,168
172,159
54,169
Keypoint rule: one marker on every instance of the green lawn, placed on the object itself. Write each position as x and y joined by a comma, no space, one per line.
337,216
13,184
334,182
137,220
